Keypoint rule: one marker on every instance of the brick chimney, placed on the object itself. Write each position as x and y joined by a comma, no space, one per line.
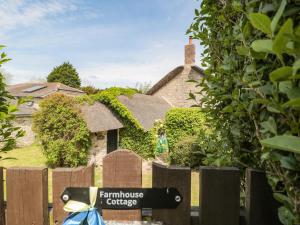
189,53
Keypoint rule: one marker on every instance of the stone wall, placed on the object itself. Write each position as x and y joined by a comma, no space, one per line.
99,147
176,92
26,124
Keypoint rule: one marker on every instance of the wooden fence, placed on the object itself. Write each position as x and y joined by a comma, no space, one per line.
219,194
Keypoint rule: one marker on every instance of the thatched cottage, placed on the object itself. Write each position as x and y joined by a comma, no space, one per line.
174,87
104,126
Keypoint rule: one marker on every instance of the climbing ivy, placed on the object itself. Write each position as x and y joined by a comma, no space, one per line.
252,89
132,136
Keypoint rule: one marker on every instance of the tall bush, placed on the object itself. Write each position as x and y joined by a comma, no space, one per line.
182,122
252,88
8,132
62,132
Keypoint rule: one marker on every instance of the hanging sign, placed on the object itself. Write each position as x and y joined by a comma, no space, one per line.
126,198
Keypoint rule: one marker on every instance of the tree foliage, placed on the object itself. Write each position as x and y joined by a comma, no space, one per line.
63,134
8,132
252,88
66,74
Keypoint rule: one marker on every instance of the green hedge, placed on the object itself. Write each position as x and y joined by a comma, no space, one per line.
183,122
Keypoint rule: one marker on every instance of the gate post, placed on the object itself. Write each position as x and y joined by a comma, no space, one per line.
122,168
261,207
68,177
2,208
219,196
177,177
27,195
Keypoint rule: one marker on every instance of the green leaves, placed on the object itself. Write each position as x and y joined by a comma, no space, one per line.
294,103
270,125
285,143
261,22
242,50
278,15
282,73
262,46
283,37
296,67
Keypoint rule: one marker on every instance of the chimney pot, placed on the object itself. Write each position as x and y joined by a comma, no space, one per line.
190,40
189,52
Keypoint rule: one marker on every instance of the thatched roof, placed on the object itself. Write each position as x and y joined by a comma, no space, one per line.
170,76
99,118
39,90
145,108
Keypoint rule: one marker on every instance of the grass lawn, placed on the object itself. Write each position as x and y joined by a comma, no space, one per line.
31,156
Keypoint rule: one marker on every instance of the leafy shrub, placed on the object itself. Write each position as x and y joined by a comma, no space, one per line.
187,152
64,135
66,74
182,122
90,90
252,88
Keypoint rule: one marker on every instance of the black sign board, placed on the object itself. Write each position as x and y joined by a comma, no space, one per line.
127,198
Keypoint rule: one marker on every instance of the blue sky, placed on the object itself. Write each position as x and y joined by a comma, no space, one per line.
110,42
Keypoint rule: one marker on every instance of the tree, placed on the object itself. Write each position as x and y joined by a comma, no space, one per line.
66,74
8,132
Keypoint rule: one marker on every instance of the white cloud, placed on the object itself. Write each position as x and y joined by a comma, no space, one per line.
14,13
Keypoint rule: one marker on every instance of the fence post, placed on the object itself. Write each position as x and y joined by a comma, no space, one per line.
122,168
219,196
68,177
2,209
180,178
261,207
27,196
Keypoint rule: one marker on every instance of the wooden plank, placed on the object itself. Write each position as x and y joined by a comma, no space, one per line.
261,207
68,177
122,168
27,196
219,196
2,208
180,178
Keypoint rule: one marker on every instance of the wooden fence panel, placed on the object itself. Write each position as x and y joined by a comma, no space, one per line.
261,208
219,196
2,209
68,177
122,168
180,178
27,196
